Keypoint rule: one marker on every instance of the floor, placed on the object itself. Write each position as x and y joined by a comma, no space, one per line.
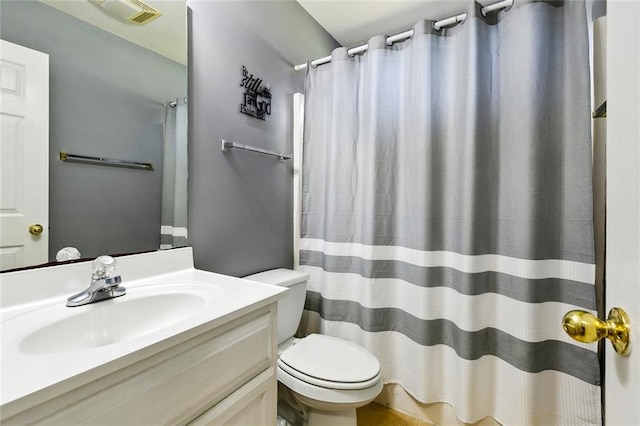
378,415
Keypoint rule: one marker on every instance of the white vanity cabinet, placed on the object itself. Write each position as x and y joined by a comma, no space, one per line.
222,376
255,401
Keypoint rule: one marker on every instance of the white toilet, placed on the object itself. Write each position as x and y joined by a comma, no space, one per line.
329,376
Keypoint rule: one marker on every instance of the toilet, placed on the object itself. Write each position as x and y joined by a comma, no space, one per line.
328,376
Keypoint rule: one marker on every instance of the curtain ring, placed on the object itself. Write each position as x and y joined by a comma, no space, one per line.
503,6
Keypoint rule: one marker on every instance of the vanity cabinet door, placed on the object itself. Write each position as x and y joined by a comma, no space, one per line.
253,404
230,366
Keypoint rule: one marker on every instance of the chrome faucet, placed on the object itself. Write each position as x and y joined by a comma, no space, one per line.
103,285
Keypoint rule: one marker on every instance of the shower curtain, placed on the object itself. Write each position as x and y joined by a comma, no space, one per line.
447,211
173,219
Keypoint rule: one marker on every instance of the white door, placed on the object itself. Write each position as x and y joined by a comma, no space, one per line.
622,374
24,152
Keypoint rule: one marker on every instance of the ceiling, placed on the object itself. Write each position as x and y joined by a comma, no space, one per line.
350,22
166,35
353,22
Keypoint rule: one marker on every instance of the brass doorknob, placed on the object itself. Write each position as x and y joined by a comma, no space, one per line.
35,229
587,328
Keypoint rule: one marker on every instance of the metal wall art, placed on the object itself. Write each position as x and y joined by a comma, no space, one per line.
257,97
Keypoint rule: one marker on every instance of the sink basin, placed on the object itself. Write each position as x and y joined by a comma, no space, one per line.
50,352
142,311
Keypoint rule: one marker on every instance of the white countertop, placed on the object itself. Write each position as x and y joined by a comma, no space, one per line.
29,377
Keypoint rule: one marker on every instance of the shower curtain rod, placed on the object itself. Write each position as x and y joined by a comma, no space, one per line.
438,25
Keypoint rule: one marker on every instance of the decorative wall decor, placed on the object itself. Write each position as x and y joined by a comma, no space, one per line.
257,97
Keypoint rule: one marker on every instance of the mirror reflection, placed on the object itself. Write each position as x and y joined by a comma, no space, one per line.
117,90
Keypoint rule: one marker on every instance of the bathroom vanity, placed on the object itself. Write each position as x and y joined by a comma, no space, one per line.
182,346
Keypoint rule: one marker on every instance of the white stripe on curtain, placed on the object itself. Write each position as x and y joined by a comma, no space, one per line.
174,231
438,374
524,268
435,303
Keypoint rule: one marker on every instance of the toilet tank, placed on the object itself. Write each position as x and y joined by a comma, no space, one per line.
290,307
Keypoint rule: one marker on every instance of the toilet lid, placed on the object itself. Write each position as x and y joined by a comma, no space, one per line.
330,359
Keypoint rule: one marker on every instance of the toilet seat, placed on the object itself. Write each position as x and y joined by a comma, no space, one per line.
331,363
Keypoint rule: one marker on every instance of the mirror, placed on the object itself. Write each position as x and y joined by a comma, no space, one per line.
116,90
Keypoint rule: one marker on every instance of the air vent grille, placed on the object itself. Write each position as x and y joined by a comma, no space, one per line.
144,17
147,13
134,11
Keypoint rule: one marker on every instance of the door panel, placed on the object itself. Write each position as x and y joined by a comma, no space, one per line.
622,374
24,151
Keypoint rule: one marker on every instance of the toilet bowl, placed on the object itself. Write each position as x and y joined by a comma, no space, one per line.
330,377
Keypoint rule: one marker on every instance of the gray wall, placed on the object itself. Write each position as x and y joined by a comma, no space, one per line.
106,98
240,203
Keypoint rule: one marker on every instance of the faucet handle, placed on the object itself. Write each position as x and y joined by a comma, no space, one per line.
103,267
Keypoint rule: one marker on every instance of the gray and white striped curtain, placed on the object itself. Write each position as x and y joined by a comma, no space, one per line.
447,211
173,218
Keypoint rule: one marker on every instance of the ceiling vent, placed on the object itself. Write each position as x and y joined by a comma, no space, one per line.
130,10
